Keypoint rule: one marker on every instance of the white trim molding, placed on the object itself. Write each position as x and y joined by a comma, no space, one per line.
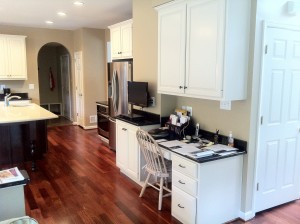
246,215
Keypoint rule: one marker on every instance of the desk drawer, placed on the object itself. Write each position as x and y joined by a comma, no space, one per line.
184,166
183,206
184,183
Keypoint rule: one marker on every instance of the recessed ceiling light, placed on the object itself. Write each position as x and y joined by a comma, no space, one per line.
49,22
61,14
78,3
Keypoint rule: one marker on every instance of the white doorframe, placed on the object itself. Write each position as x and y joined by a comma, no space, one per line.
266,25
79,99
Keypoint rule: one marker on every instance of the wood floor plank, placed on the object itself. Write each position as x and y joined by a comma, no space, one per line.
78,182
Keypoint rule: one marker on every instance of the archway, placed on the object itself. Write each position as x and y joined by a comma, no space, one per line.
54,72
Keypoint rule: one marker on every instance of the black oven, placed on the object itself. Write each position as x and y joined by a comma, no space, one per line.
103,121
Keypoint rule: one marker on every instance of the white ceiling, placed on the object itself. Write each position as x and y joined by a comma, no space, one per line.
93,14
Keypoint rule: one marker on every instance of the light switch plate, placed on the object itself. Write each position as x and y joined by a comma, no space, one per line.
225,105
189,110
31,86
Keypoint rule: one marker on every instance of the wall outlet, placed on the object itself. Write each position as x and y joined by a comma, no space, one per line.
93,118
225,105
152,101
31,86
189,110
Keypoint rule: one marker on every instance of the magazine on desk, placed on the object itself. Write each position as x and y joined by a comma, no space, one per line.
10,175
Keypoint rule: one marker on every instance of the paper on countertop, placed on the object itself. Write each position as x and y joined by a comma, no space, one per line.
225,153
161,140
186,149
170,144
219,147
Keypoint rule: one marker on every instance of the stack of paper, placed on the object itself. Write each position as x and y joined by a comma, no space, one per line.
220,148
10,175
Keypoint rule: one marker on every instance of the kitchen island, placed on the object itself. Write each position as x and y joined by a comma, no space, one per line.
23,131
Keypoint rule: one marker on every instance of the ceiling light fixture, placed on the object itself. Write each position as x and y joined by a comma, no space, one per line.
61,14
78,3
49,22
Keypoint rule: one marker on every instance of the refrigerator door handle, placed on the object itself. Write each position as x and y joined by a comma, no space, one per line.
113,95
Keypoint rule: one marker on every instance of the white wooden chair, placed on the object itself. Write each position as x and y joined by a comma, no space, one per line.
155,165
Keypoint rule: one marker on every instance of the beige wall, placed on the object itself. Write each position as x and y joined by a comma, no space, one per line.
48,58
90,41
94,70
243,117
36,38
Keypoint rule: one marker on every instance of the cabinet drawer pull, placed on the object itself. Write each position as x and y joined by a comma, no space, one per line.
180,206
181,182
181,166
124,129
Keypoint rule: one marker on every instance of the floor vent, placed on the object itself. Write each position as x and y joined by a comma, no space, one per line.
93,119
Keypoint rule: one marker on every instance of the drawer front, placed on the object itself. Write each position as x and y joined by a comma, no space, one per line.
184,183
183,206
184,166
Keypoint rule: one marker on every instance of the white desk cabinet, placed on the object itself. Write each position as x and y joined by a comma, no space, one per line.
206,193
203,48
128,156
121,40
13,65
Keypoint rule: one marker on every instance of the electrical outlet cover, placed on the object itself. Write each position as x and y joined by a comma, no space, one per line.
190,110
225,105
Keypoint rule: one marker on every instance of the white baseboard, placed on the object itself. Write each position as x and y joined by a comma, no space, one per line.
246,215
90,127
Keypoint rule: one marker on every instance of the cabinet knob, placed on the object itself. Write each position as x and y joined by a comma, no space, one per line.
180,87
124,129
180,206
181,182
181,166
185,87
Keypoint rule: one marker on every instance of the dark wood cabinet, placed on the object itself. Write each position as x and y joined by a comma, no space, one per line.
16,141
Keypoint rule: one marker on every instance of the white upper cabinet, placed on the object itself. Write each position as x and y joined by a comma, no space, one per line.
121,40
13,64
203,48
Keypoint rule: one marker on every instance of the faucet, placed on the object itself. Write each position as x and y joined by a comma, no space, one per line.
7,98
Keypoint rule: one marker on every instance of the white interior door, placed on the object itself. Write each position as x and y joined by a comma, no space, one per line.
65,85
278,170
79,88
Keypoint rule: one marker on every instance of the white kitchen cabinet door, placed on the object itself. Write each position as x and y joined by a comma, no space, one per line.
121,40
13,57
115,34
122,146
3,58
205,35
203,48
171,49
126,40
133,153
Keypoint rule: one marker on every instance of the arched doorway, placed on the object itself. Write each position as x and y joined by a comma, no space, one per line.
54,72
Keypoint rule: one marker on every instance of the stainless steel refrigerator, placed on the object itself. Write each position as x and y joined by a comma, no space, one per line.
119,73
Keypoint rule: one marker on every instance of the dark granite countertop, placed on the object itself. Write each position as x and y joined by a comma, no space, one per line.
209,158
20,182
102,102
140,118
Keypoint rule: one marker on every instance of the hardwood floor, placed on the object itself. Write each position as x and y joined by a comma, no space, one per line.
78,182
